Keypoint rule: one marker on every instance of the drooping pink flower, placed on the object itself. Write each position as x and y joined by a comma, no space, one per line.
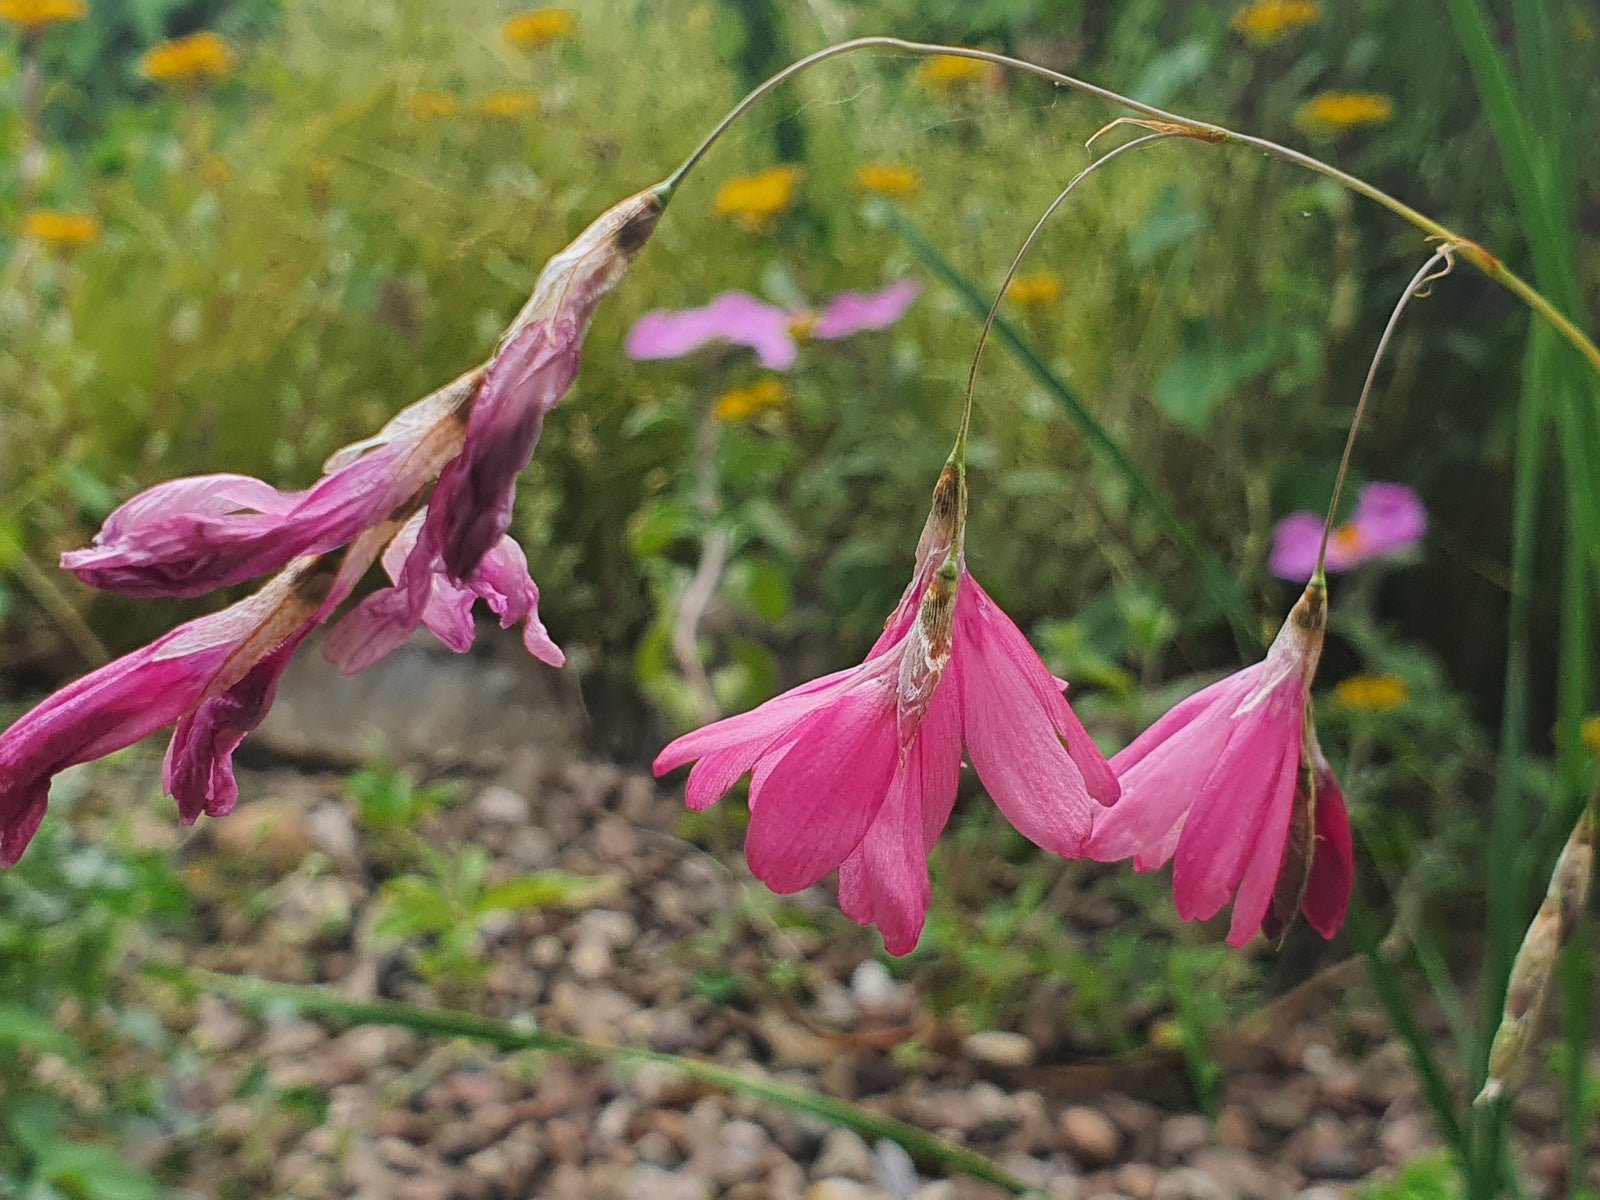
1230,787
769,330
858,771
215,676
191,536
1389,519
424,594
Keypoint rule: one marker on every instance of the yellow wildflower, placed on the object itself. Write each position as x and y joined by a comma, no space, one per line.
509,103
35,16
196,59
1267,21
427,106
1372,693
69,231
1334,112
947,72
539,27
745,403
886,179
754,200
1038,290
1591,734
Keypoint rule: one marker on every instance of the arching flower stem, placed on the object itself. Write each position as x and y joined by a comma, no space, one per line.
1487,262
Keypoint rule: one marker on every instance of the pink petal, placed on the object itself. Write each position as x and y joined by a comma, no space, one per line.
1241,809
1390,518
198,772
736,317
1011,735
1160,774
503,582
1332,860
1030,671
193,536
856,312
750,734
473,501
884,881
817,803
1295,540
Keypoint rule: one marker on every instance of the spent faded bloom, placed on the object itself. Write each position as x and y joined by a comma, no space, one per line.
769,330
1534,968
755,201
215,677
1041,289
475,436
509,103
35,16
1268,21
858,771
1231,785
188,61
746,403
63,230
886,179
539,27
949,72
1335,112
1389,520
1372,693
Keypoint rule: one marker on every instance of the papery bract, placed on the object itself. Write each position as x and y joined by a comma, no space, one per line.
858,771
1213,786
1389,519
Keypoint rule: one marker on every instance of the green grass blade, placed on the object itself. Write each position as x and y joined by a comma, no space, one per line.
443,1022
1219,584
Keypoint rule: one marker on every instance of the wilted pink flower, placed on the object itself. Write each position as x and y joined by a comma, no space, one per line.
858,771
1229,785
1389,519
214,676
424,594
192,536
769,330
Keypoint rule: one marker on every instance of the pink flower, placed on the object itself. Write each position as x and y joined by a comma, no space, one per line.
1229,786
530,374
769,330
191,536
858,771
214,676
1389,519
424,594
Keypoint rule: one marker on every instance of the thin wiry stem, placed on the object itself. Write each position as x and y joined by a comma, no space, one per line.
959,453
1437,267
1490,264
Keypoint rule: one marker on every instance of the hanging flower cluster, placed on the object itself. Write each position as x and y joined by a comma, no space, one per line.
431,495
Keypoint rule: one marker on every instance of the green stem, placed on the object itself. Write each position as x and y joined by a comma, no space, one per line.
1223,591
1481,258
506,1036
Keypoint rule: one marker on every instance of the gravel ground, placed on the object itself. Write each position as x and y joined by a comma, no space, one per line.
1312,1101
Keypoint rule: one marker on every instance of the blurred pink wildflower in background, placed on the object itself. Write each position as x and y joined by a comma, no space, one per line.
1231,784
1389,520
771,331
858,771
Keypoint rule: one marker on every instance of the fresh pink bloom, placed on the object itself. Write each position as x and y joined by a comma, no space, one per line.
858,771
214,676
424,594
1389,519
1227,785
769,330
